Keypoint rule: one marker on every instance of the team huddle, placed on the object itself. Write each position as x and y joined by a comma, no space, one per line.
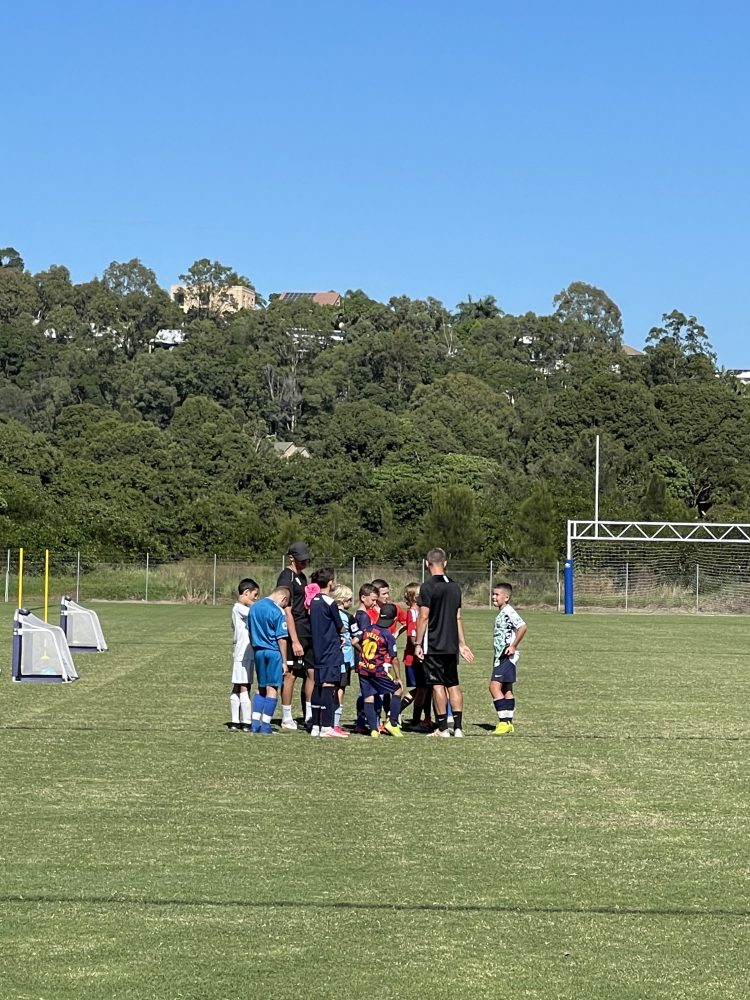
305,630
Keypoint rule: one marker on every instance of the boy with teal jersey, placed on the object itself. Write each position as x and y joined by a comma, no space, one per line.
268,632
508,632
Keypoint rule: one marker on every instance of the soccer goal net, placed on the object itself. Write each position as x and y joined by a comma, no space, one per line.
40,651
81,627
660,566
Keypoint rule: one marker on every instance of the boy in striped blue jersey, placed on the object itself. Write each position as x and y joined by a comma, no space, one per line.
509,630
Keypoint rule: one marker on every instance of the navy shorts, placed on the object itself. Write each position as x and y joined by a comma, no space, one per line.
330,674
269,669
504,671
345,677
415,677
374,684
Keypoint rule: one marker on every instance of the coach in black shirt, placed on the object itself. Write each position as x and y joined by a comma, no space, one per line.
440,641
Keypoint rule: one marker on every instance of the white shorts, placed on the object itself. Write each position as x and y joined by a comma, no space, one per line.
242,670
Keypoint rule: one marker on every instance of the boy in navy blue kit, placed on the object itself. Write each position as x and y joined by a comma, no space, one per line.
509,629
268,634
328,655
377,658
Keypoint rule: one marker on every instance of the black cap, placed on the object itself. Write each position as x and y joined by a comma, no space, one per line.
388,615
300,551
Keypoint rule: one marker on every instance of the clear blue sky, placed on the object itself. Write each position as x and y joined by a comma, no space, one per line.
419,148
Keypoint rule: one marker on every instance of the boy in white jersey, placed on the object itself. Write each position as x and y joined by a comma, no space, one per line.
242,658
509,630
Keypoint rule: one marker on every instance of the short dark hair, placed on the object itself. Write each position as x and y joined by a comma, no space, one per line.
381,584
366,589
508,587
247,584
436,557
323,576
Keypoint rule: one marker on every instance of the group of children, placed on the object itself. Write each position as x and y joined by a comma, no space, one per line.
342,644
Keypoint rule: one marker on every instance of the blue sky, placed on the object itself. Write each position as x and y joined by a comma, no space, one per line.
403,148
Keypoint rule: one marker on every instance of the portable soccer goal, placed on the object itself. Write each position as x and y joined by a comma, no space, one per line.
658,566
81,627
40,651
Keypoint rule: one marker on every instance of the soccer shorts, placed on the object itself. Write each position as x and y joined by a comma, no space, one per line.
345,677
299,665
374,684
504,670
242,670
268,667
328,674
415,677
441,669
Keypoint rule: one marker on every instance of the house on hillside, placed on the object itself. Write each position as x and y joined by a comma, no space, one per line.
215,300
319,298
287,449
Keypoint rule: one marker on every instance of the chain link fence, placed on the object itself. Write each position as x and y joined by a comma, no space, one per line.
213,579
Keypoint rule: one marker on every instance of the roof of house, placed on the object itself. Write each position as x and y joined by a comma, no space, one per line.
632,352
319,298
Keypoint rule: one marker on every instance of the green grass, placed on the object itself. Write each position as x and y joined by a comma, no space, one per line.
601,852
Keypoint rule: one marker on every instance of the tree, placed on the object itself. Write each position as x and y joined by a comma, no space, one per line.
208,283
684,335
451,522
11,258
585,303
132,276
486,308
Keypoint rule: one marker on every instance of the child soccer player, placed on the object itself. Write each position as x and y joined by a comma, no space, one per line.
327,629
377,656
509,630
349,641
415,677
368,599
268,631
242,657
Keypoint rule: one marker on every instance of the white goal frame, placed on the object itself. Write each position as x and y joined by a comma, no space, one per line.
653,532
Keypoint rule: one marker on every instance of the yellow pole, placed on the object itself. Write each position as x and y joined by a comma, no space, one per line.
46,582
20,578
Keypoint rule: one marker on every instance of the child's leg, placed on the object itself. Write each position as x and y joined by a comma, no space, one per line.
370,714
339,707
326,707
245,710
505,704
259,701
309,688
234,705
269,707
315,708
456,703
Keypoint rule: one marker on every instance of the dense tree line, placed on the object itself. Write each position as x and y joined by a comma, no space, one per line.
470,428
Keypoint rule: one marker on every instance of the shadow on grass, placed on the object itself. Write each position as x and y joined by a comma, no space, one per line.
298,904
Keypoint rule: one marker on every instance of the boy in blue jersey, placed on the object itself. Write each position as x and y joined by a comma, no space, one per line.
509,629
377,657
327,629
268,634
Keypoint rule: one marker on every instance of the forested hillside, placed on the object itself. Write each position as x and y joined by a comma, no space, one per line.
470,427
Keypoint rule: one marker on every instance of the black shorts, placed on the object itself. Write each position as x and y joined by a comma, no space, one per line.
299,665
346,678
504,671
441,669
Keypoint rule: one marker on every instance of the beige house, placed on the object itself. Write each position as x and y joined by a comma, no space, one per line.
319,298
220,300
286,449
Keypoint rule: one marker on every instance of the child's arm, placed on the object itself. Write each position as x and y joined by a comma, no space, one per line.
397,672
282,650
522,630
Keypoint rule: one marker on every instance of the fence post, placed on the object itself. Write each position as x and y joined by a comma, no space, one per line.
214,591
78,574
492,576
423,571
354,575
557,581
147,561
7,579
627,583
697,586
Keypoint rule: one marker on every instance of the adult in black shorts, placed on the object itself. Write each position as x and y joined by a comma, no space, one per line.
440,641
299,643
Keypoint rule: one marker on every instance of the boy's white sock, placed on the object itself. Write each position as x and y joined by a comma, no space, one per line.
337,715
245,709
286,713
234,707
308,711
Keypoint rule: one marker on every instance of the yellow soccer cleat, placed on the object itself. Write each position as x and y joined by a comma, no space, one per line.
502,728
393,730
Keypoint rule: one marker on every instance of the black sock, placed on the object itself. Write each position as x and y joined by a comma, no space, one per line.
457,717
317,699
326,701
442,721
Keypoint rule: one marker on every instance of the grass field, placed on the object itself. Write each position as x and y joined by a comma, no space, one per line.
601,852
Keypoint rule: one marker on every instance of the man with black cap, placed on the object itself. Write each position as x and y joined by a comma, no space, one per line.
299,643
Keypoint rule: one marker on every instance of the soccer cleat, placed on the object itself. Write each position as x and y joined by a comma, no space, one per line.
336,733
502,728
393,730
246,727
458,733
440,734
267,729
381,728
233,727
314,731
427,725
375,734
289,724
255,728
340,731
